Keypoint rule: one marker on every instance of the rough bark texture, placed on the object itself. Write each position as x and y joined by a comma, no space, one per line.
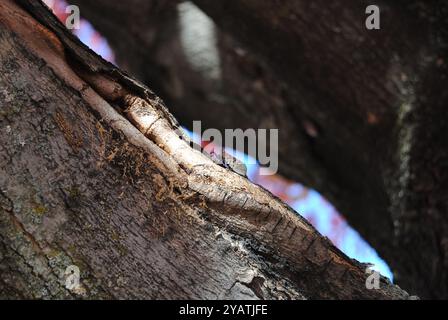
94,173
361,113
246,95
378,99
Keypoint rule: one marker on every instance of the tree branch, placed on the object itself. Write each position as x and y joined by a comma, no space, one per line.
140,218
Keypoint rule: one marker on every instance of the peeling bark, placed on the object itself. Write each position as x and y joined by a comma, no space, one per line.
361,113
93,173
378,101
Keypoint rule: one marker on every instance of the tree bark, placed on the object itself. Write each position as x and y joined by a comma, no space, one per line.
146,38
361,113
378,99
94,174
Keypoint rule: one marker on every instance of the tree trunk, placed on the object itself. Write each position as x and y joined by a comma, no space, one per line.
94,174
361,113
378,100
